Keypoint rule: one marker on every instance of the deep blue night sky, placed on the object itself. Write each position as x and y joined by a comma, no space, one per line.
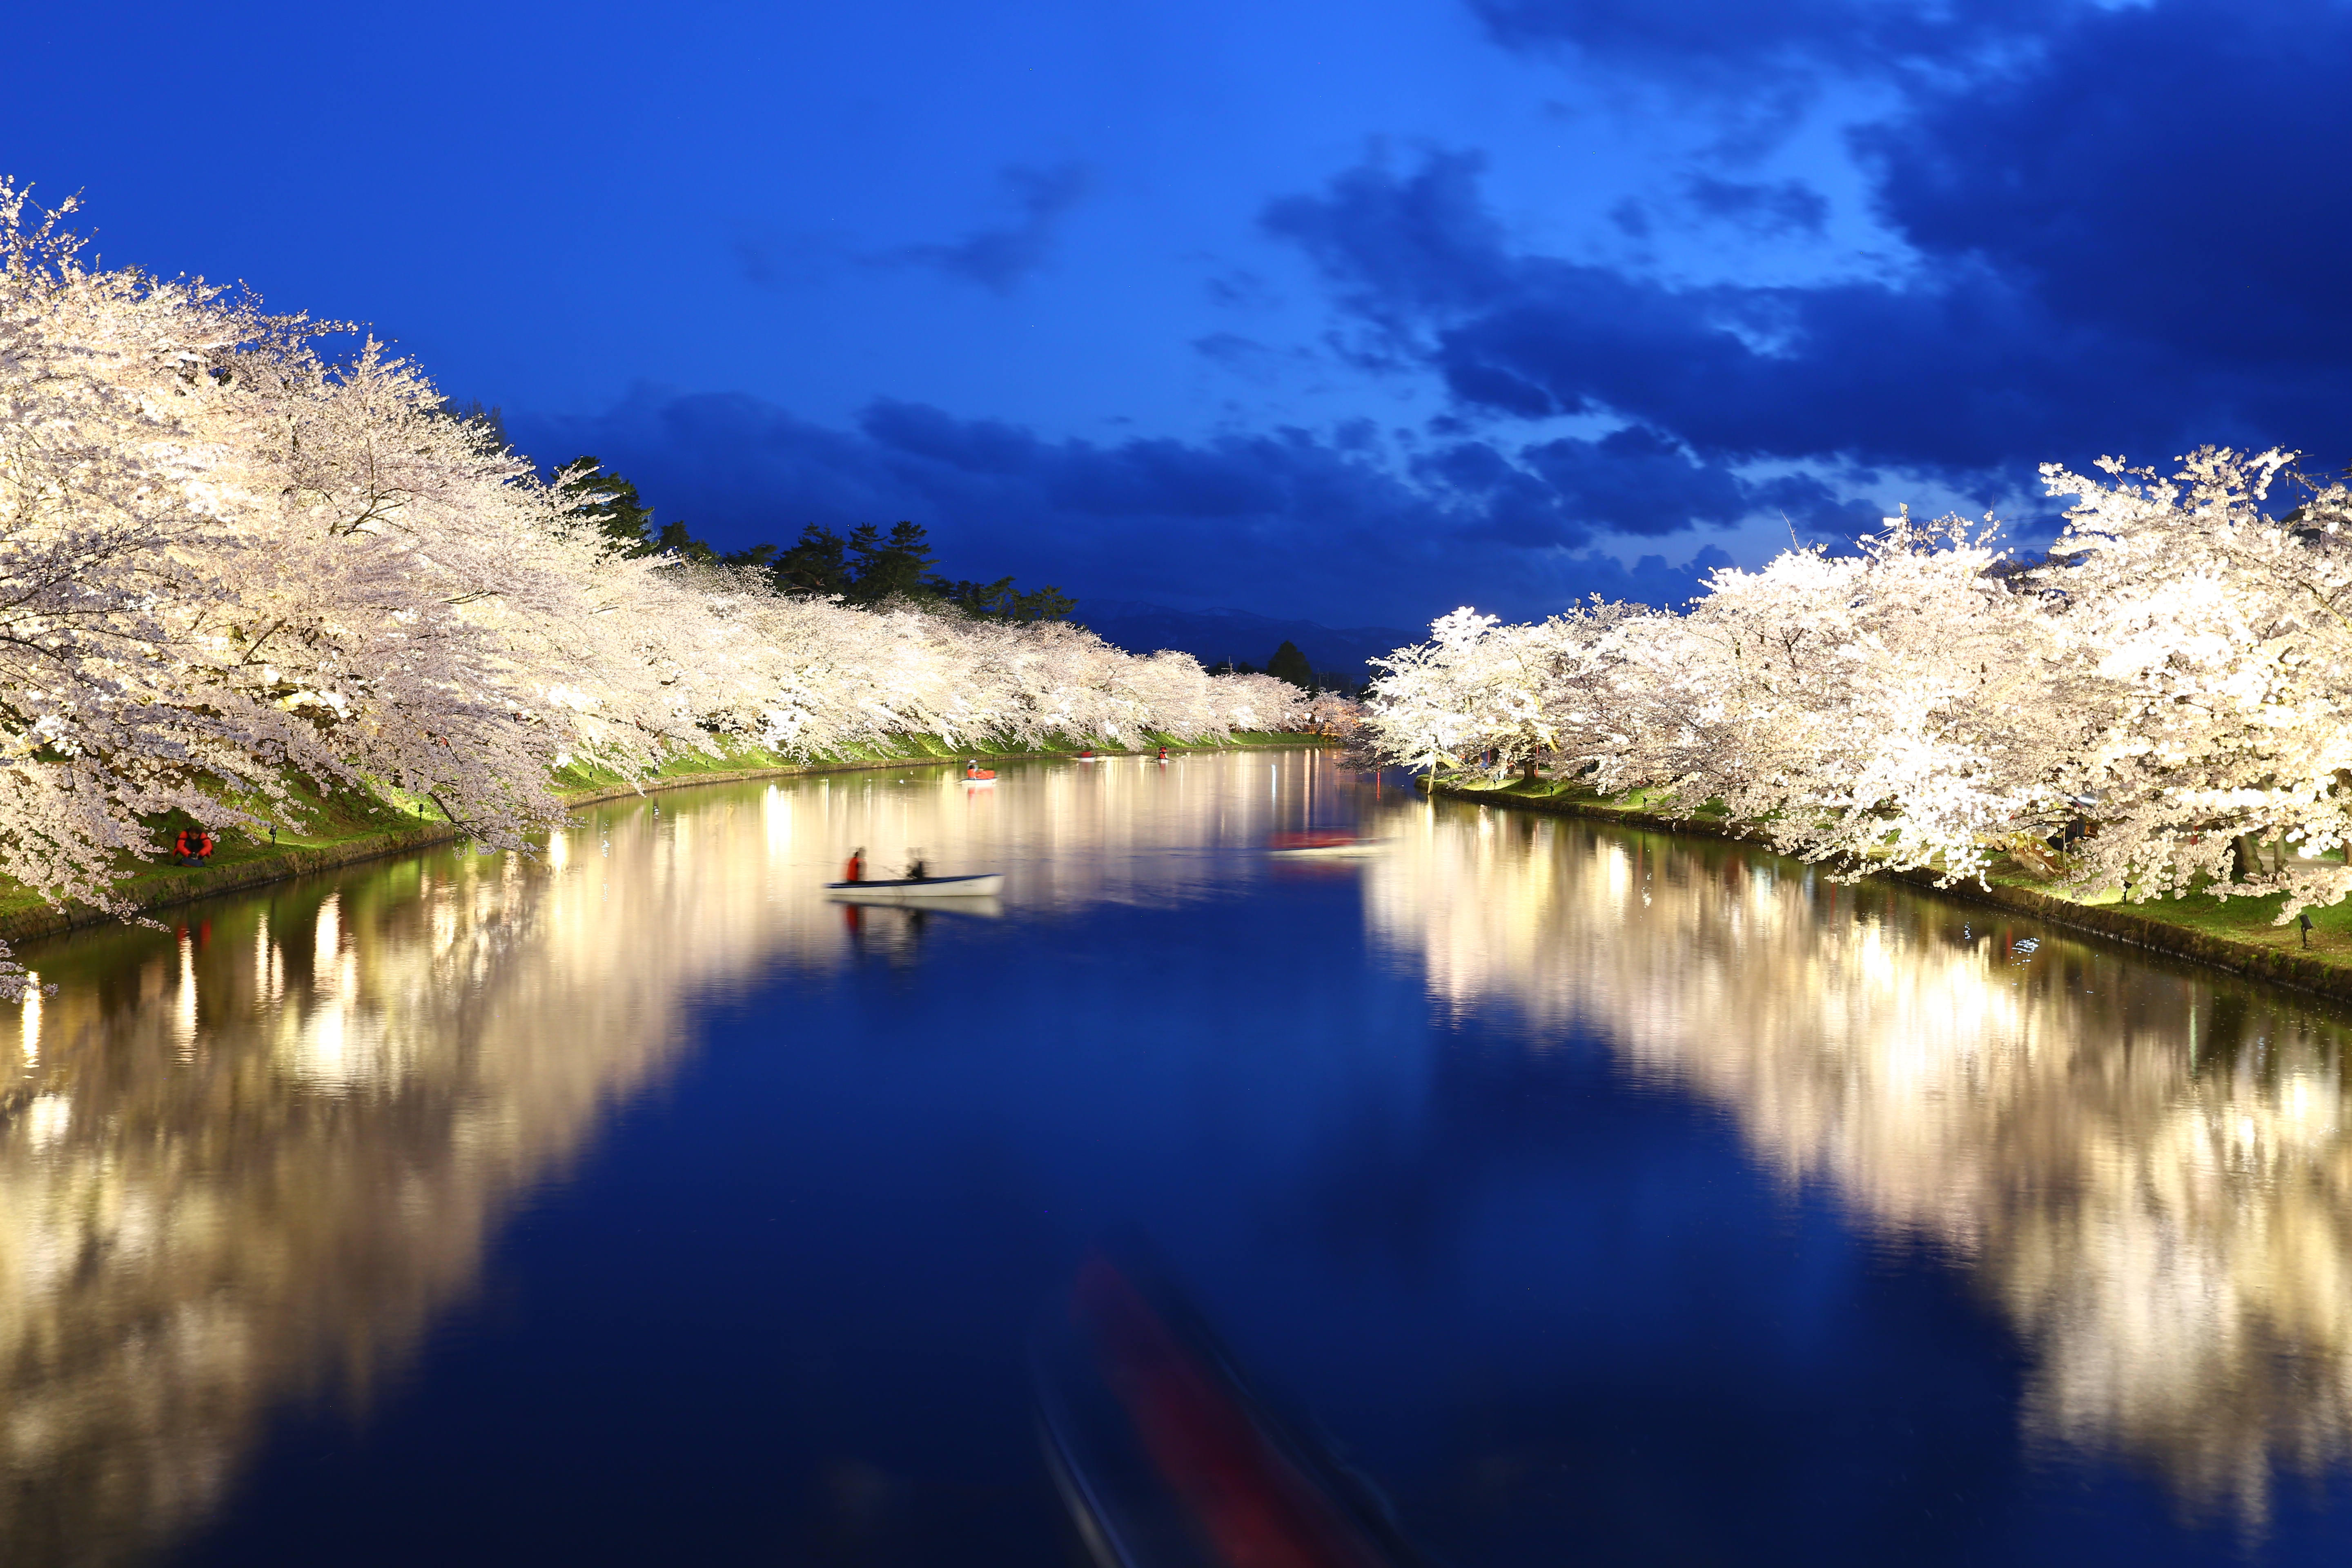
1309,308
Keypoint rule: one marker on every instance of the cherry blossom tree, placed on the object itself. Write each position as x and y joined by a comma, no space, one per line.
1889,709
229,562
1893,708
112,705
2221,754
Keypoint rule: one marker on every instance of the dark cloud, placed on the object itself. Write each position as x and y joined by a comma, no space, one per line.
1784,206
1765,210
1652,580
996,258
2178,175
1286,521
988,448
1241,291
1243,356
2127,242
1813,510
999,257
1281,522
783,262
1741,45
1636,481
1400,250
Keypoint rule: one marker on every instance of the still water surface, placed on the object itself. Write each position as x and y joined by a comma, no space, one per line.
1606,1198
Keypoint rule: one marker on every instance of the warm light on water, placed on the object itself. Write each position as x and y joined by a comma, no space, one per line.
2147,1169
1535,1159
251,1158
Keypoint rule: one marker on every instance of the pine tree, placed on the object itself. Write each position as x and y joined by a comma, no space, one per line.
613,502
1289,663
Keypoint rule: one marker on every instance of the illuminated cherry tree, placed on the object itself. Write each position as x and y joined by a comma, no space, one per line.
2157,709
227,562
2219,752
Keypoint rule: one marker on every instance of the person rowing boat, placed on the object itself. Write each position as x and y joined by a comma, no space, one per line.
917,882
978,884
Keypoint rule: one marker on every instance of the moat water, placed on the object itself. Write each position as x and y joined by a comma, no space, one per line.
1600,1196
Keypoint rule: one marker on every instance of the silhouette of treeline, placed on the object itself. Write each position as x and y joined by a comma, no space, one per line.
1289,663
866,568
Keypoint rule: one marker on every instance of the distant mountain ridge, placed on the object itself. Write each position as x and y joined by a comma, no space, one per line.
1213,636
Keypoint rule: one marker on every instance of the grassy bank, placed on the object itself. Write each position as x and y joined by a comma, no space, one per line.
581,786
336,830
2235,934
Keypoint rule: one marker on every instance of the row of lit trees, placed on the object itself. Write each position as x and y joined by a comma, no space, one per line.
2165,698
226,563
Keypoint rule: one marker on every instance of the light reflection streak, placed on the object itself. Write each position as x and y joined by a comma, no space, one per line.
252,1160
2145,1167
183,1030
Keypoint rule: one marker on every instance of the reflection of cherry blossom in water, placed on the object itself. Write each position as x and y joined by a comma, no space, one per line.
252,1160
2148,1169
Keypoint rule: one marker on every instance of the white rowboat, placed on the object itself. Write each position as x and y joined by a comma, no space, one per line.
899,890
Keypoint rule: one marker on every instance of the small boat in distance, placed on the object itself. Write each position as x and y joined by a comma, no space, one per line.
974,773
899,890
1331,842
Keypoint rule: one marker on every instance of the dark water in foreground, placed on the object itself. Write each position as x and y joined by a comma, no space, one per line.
1608,1198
